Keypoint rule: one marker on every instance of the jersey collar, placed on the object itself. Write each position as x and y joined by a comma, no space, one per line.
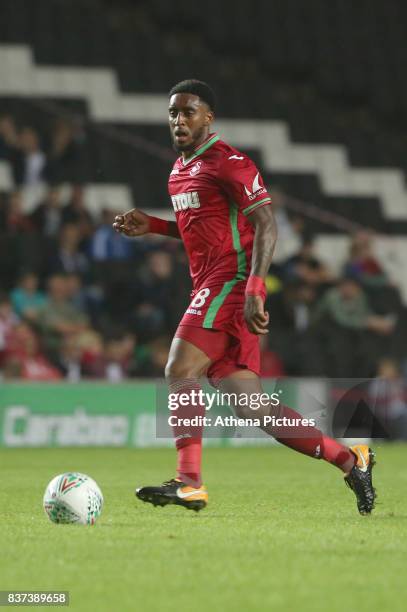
202,148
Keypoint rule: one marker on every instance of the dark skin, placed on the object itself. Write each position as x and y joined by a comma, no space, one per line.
190,121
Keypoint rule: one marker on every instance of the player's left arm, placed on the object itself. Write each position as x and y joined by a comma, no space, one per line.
265,236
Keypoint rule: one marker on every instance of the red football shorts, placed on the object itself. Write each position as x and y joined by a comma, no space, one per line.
214,323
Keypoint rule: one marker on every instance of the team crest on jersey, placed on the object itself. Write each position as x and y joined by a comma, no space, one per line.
196,168
257,189
183,201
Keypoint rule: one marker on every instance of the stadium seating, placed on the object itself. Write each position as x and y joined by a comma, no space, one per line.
289,63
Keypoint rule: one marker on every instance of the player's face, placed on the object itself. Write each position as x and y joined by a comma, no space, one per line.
189,120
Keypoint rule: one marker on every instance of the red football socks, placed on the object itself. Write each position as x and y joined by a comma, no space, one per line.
338,454
188,439
189,461
312,442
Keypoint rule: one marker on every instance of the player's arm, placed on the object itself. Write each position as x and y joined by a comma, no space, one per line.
264,242
245,187
137,223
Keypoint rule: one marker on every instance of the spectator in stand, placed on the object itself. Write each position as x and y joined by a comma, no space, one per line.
47,216
362,263
118,354
69,361
88,298
343,320
154,288
149,360
67,256
64,155
348,307
8,321
59,318
108,245
25,357
15,221
388,393
26,298
114,363
8,136
28,160
305,266
91,347
292,311
76,292
20,246
112,262
366,268
292,307
76,212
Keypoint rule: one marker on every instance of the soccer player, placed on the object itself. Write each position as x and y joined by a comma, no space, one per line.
225,219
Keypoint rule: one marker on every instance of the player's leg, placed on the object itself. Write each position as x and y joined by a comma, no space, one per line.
192,352
307,440
356,463
187,363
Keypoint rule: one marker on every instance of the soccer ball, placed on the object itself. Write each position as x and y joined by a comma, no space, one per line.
73,498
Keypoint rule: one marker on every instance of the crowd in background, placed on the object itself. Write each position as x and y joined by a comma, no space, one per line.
80,301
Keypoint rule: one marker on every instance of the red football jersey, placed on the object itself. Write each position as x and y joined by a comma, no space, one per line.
212,193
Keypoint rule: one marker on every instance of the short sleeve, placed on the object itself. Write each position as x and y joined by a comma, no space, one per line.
243,183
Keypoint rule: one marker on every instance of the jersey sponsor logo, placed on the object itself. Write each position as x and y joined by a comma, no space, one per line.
235,157
183,201
256,185
257,189
195,168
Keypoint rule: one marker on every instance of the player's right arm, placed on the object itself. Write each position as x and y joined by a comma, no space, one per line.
137,223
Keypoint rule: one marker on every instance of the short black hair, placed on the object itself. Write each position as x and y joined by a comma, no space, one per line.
197,88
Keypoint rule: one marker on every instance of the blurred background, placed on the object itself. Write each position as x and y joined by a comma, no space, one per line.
315,92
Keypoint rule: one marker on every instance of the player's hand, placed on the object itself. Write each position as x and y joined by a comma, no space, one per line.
132,223
256,318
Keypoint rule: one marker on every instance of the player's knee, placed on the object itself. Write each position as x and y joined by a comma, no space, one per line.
179,369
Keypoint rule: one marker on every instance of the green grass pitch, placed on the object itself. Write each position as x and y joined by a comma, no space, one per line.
281,532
